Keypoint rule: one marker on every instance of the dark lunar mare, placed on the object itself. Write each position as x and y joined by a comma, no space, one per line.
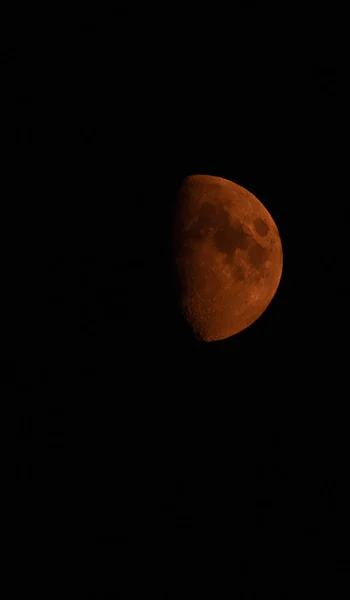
228,236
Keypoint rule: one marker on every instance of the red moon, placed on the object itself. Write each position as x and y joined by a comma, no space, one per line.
228,256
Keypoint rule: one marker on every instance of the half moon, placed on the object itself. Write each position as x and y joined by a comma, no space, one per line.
228,256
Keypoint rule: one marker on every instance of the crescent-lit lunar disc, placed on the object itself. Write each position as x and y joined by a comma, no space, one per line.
228,256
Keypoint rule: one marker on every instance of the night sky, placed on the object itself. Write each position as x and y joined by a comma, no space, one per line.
132,442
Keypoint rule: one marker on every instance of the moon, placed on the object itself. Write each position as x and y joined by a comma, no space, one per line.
227,254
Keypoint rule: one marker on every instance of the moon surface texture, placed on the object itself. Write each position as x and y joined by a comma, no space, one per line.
228,256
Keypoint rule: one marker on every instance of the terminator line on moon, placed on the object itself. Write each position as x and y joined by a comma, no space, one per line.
228,256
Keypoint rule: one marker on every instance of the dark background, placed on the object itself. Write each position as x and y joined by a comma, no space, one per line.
135,446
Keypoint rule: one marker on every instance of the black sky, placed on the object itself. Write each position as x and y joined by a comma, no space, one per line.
145,441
